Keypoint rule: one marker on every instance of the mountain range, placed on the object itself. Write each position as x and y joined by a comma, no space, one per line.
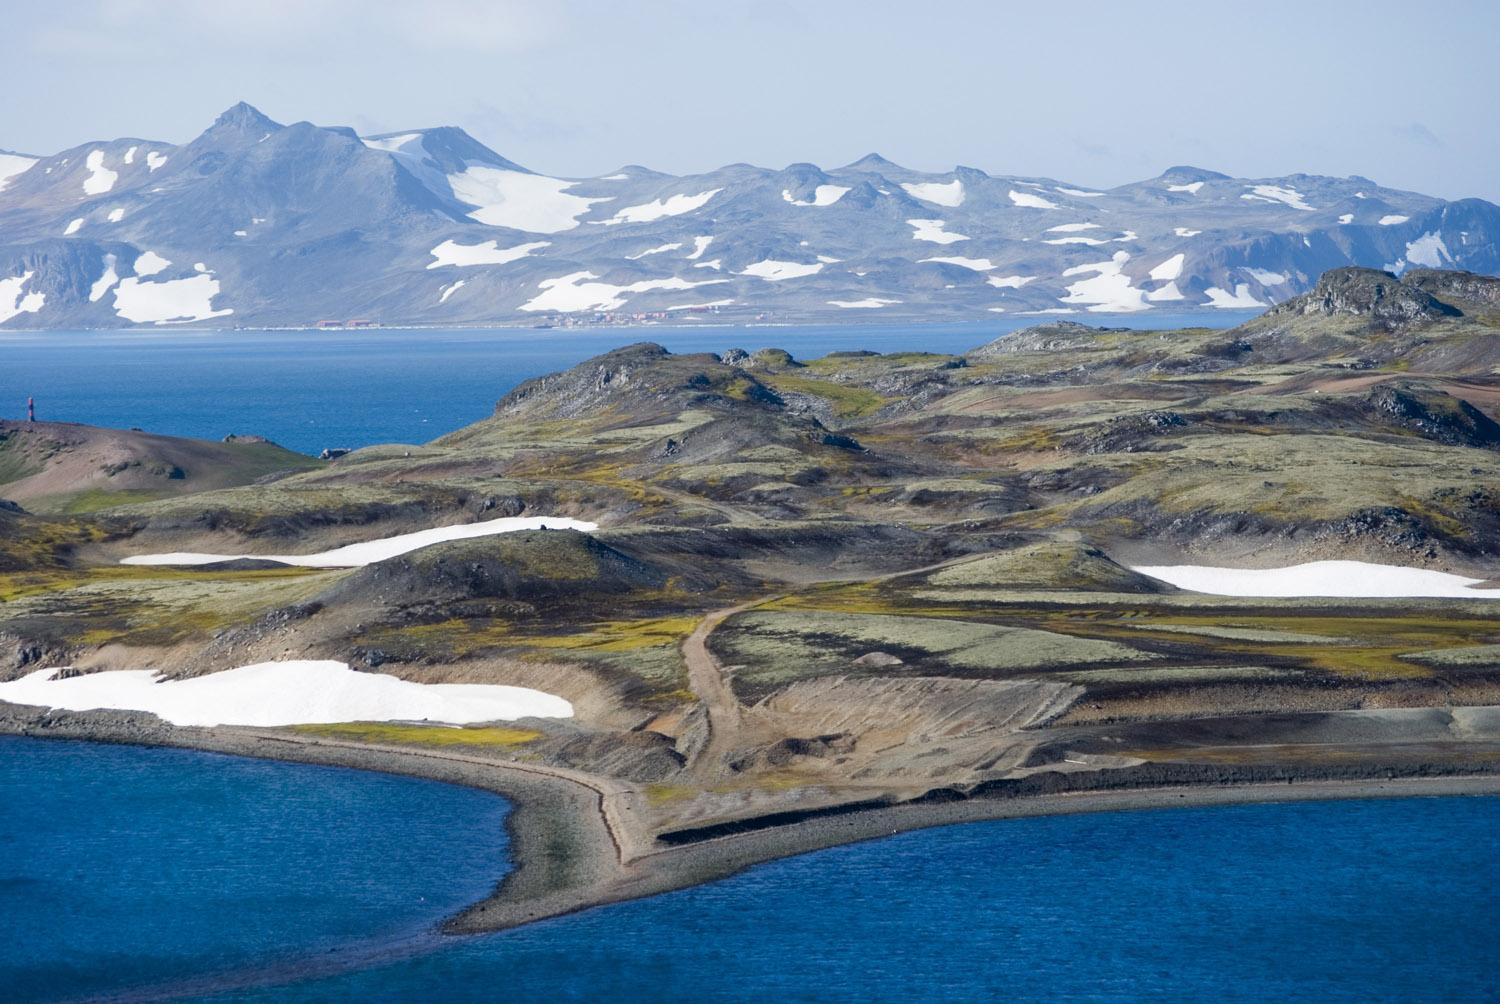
254,224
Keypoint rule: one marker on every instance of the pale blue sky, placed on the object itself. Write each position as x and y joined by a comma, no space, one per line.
1093,93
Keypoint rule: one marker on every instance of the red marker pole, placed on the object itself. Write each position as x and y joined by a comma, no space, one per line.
31,409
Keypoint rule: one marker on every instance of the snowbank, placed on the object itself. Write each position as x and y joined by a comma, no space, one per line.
357,555
296,692
949,193
1320,578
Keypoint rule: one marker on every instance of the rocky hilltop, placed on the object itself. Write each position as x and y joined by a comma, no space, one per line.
257,223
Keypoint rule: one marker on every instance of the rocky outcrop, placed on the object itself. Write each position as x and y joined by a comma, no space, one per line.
1364,292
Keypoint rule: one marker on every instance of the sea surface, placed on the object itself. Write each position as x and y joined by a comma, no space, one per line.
310,390
122,866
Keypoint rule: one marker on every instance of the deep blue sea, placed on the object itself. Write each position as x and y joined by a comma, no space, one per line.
308,390
123,868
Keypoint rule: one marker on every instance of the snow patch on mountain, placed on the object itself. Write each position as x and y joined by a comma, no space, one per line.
659,249
1010,281
155,160
1185,232
13,299
674,205
1393,219
1165,293
105,282
101,179
1240,299
73,227
975,264
150,263
1076,193
581,291
772,270
1109,290
1072,228
1076,240
1266,277
450,289
932,230
534,203
1191,187
486,253
824,195
1277,193
941,193
700,245
868,303
1028,201
1346,219
174,301
1428,250
1169,269
116,215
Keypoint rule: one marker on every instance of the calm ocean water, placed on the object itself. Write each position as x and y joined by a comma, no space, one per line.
122,866
313,389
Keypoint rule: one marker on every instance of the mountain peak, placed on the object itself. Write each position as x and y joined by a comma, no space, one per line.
244,116
1186,172
872,162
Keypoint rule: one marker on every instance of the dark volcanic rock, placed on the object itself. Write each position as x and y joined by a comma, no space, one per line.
1366,292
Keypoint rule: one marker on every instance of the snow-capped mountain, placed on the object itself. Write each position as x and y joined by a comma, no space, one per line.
258,224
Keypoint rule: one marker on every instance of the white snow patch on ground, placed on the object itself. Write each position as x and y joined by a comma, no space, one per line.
1428,250
534,203
823,195
868,303
932,230
674,205
486,253
13,302
1169,269
713,263
1185,232
295,692
150,263
242,233
1166,293
1276,193
1009,281
1346,219
155,160
1240,299
101,179
1321,578
826,260
1077,192
105,282
700,245
1109,290
702,306
659,249
1392,219
73,227
450,289
1266,277
172,302
1076,240
371,551
1049,310
615,177
116,215
130,155
976,264
946,193
11,165
1028,201
576,291
1191,187
199,266
772,270
1072,228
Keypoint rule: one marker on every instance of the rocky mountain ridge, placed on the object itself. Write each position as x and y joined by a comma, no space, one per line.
254,223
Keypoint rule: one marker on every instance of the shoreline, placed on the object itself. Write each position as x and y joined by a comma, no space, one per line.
571,846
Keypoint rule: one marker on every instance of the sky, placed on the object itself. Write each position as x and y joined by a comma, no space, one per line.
1092,93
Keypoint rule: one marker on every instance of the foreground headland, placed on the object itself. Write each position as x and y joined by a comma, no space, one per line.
768,604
